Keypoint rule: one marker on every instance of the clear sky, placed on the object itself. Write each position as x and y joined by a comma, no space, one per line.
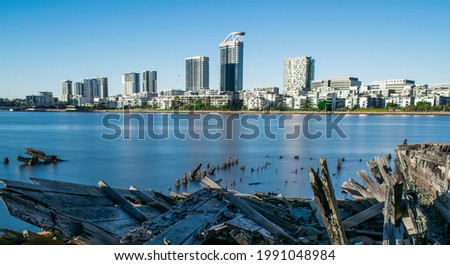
43,42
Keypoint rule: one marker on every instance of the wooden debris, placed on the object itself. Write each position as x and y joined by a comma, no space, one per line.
380,209
124,204
363,216
250,212
37,157
326,203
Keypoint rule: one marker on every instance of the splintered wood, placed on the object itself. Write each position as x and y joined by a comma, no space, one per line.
326,203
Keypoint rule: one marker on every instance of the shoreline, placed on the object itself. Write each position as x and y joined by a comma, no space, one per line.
292,112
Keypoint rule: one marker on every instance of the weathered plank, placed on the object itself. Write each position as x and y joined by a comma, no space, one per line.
149,200
373,167
66,187
279,211
370,184
317,214
364,192
385,170
326,202
363,216
348,188
119,227
61,200
185,228
392,211
161,196
249,211
130,209
97,213
240,221
273,217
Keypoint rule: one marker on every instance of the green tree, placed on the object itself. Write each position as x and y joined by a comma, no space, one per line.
323,105
176,102
307,104
391,105
279,106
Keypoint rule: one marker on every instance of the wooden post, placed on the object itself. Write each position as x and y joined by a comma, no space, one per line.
326,202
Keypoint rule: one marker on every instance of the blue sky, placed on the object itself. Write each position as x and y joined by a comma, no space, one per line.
44,42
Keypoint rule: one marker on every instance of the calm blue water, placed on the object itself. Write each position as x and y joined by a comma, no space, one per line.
156,164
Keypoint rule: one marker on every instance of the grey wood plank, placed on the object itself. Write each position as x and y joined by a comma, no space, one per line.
130,209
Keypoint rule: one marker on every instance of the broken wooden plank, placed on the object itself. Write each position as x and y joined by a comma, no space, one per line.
385,170
273,217
250,212
392,211
363,191
371,185
97,213
130,209
326,202
149,200
356,195
185,228
363,216
373,167
66,187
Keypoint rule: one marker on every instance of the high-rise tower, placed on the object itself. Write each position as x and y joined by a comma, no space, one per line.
197,73
130,83
298,74
232,62
149,81
66,86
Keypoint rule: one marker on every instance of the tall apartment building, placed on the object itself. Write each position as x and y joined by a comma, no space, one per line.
77,89
197,73
130,83
232,62
88,89
102,85
298,74
66,93
149,81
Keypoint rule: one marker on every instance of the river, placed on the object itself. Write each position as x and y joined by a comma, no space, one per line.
146,162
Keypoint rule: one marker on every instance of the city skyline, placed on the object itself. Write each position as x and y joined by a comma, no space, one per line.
412,45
